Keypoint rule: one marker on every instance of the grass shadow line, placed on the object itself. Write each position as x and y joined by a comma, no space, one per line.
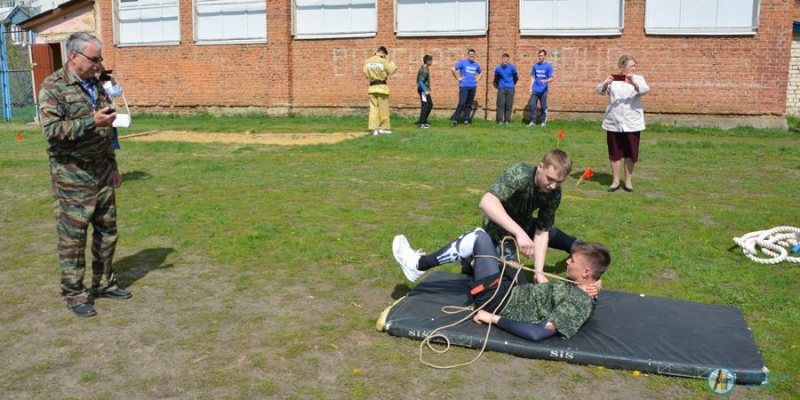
134,267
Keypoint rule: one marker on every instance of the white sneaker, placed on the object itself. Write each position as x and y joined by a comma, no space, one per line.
532,124
375,132
384,131
407,258
544,124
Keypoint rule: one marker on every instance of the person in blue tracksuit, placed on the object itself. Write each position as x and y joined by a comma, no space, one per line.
542,74
505,80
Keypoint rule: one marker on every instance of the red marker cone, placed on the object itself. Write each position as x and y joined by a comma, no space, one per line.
19,137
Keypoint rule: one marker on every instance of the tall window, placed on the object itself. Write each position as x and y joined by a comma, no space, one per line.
147,22
231,21
701,17
441,17
571,17
319,19
19,36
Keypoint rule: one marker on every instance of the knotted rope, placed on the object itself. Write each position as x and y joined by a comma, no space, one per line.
775,242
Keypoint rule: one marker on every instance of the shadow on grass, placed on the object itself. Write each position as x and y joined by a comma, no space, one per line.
132,268
135,176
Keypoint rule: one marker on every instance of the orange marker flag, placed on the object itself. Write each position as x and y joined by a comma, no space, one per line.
586,175
19,137
560,136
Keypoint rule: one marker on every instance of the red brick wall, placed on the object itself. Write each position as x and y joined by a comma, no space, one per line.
797,10
739,75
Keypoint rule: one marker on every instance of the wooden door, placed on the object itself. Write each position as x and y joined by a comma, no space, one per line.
43,65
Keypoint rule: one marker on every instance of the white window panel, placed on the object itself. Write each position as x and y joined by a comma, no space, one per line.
701,17
571,17
441,17
147,22
230,21
321,19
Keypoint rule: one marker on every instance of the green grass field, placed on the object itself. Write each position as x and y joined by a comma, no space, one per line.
259,271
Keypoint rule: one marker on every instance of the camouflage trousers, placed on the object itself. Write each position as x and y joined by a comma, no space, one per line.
83,194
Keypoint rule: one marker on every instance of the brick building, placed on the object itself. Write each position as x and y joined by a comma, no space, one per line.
721,62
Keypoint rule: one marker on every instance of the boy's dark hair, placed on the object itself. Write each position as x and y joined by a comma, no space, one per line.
471,51
542,51
506,55
596,255
383,50
427,58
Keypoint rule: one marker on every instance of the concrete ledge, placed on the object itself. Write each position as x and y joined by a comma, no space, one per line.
684,120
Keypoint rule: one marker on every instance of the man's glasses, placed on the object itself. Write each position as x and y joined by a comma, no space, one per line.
95,60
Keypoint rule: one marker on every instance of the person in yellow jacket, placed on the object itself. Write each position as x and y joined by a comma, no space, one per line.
377,68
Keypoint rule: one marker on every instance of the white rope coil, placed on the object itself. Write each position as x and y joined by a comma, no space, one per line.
775,243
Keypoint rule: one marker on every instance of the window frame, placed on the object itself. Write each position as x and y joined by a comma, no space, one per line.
334,35
204,42
471,32
613,31
715,31
115,25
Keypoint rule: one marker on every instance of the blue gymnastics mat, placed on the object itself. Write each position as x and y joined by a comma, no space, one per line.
626,331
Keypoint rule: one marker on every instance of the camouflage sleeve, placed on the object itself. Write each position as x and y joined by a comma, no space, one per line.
546,218
511,180
569,316
56,124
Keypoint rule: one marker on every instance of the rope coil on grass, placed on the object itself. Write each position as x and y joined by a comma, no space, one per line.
775,243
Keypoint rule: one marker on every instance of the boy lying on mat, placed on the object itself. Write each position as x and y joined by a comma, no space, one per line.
531,311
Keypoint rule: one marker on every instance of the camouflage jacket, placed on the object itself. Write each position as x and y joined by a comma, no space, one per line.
516,190
562,303
67,118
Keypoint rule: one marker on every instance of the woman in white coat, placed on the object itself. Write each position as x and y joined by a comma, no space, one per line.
624,120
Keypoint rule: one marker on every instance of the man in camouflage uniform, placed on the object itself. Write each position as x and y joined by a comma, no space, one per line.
509,204
537,312
508,207
76,120
377,69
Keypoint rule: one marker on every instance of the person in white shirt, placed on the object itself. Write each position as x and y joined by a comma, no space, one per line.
624,119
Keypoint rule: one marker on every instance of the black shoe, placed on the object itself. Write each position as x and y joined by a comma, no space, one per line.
627,189
466,267
82,309
455,123
466,122
613,189
118,293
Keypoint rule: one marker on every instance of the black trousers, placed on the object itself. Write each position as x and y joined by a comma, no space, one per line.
465,98
425,107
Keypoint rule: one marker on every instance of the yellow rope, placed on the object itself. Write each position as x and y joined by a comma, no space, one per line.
456,309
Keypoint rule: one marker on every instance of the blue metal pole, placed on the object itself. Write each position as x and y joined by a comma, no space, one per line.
4,81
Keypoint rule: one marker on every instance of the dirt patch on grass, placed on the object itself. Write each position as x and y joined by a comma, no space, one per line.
277,139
